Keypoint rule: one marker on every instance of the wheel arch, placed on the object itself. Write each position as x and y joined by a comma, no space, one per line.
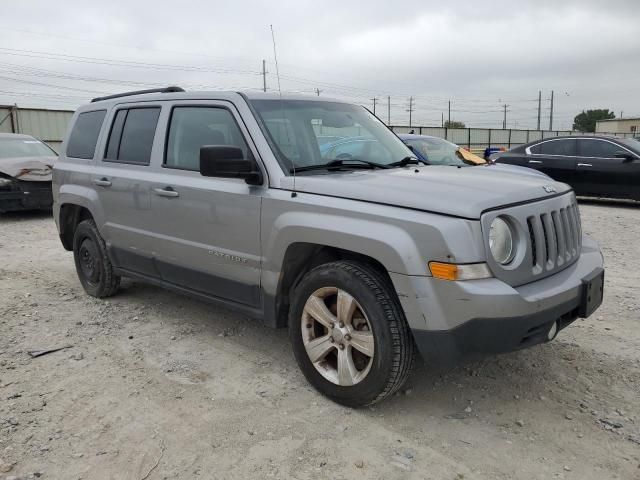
74,204
70,217
299,259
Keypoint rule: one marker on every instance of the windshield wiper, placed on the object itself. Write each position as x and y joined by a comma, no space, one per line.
407,161
339,163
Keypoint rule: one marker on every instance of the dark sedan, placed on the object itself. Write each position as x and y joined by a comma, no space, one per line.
595,166
25,173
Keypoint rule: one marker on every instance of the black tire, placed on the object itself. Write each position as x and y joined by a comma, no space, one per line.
92,262
394,347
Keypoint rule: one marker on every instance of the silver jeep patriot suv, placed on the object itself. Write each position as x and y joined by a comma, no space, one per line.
310,214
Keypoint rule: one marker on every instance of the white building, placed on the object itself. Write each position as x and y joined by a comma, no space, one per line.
619,125
49,126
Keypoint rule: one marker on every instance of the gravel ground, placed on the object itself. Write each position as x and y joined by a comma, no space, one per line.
158,386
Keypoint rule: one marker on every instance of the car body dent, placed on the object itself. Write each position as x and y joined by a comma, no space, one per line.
28,169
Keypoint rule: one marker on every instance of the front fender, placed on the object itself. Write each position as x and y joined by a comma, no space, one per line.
389,244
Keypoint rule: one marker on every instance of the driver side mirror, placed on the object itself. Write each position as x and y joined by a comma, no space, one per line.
625,155
226,161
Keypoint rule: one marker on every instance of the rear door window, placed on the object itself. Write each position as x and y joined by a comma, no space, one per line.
132,134
598,148
84,135
116,132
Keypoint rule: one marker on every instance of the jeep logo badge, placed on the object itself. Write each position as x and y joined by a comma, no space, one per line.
549,189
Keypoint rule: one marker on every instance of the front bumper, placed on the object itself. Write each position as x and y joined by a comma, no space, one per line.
452,321
26,196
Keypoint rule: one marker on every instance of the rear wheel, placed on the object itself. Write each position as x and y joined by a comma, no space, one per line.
349,333
92,262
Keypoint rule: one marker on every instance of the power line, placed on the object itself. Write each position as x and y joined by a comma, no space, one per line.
264,76
551,113
388,110
53,86
128,45
504,122
410,110
121,63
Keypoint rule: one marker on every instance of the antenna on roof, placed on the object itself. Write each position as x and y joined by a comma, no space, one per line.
275,57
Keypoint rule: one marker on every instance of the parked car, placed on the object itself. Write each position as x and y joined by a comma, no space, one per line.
352,147
598,166
437,151
25,173
226,197
325,139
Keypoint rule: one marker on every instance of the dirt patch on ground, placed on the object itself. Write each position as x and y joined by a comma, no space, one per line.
159,386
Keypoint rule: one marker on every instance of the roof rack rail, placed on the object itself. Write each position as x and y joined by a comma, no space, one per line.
139,92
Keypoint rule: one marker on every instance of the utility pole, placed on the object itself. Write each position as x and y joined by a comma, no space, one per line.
504,121
551,113
539,106
449,118
442,119
264,76
621,112
389,110
410,110
318,91
374,105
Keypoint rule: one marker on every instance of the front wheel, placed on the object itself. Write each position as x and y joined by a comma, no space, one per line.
349,333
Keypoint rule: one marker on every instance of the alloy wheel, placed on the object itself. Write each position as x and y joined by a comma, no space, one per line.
337,336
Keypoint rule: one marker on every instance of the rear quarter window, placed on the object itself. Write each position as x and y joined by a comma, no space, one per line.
84,134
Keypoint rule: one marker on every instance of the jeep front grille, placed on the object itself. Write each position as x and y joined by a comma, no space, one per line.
547,238
555,237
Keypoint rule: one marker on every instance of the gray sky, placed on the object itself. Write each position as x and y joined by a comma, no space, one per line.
478,55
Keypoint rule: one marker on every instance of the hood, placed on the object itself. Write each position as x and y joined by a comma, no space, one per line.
505,167
459,191
32,169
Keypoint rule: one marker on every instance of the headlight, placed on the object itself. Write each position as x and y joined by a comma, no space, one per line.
501,241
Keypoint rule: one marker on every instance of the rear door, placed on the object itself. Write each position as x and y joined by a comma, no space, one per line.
555,157
121,180
207,229
600,172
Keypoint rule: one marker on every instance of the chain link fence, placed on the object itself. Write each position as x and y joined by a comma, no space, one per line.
481,138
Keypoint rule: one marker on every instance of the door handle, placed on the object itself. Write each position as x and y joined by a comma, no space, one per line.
585,165
535,161
166,192
102,182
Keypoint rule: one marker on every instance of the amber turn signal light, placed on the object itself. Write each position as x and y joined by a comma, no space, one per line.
452,271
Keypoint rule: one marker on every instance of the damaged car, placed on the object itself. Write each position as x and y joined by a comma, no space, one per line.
25,173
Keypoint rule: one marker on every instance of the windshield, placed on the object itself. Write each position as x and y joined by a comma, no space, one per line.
441,152
304,133
24,147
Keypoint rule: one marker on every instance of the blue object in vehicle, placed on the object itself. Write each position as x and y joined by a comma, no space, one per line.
490,151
